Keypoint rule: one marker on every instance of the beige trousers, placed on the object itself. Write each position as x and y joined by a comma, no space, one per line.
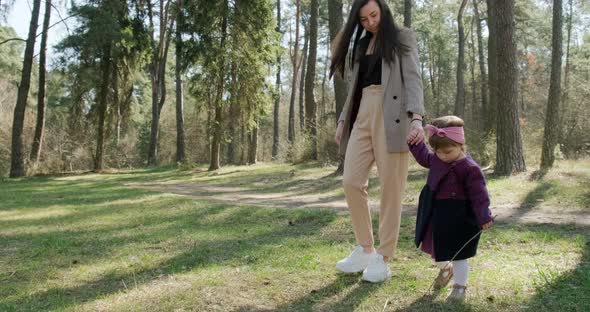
367,145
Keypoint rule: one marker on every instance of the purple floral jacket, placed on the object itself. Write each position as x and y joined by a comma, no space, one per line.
462,179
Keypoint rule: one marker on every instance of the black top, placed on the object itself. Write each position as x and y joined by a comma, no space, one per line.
369,74
369,70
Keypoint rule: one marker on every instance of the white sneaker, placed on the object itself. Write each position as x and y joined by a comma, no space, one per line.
377,271
356,262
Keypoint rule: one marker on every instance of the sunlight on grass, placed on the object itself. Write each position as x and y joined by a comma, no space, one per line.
91,244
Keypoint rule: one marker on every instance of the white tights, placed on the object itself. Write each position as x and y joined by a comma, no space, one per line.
460,270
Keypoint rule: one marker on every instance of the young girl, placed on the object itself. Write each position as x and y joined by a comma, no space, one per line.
453,205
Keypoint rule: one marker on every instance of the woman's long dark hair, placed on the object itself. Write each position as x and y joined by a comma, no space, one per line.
383,47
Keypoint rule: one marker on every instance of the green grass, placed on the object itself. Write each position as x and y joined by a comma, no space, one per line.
85,242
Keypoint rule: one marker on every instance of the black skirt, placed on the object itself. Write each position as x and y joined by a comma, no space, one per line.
424,213
453,225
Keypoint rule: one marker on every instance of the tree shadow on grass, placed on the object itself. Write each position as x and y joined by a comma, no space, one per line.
566,292
349,288
237,247
428,303
569,291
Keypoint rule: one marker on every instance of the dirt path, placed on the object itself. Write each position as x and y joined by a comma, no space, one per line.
244,196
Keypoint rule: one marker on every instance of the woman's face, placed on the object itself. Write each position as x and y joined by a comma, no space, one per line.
370,16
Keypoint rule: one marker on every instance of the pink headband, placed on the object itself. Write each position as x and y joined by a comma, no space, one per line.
454,133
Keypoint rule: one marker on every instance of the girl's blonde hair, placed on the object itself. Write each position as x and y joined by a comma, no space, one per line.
437,142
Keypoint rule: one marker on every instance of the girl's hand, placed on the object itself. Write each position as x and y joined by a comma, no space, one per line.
339,130
416,135
487,225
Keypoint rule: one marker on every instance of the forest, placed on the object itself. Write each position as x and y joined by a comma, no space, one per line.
136,83
180,155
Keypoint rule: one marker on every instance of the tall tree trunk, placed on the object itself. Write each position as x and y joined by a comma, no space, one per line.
218,126
335,24
473,108
310,102
323,109
180,136
408,13
460,98
234,114
39,128
566,81
276,133
492,108
509,154
295,64
17,165
482,66
158,72
253,146
117,102
432,70
243,142
552,127
302,78
105,65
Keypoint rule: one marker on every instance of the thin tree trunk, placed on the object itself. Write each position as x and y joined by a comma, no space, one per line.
432,74
566,81
39,128
335,24
323,109
17,165
460,98
117,102
253,146
473,108
295,64
492,108
408,13
509,154
180,136
302,85
482,66
276,128
552,127
234,115
102,106
310,102
218,132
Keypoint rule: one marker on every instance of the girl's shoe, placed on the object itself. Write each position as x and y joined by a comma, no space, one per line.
458,293
443,278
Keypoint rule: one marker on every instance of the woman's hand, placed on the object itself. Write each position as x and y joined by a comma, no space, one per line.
416,135
339,130
488,225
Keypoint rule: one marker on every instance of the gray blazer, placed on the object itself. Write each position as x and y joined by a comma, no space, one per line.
402,97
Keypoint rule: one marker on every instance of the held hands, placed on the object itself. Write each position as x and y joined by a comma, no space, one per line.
339,130
416,135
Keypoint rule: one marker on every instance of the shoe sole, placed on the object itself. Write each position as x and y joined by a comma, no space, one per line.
345,271
375,280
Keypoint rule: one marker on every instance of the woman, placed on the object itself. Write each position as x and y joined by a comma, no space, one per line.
382,114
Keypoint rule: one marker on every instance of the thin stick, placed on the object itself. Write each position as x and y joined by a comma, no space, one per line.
457,253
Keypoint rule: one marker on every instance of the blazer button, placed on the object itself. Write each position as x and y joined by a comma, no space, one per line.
395,97
397,121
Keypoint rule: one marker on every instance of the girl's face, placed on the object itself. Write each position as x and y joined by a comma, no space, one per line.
370,16
449,154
